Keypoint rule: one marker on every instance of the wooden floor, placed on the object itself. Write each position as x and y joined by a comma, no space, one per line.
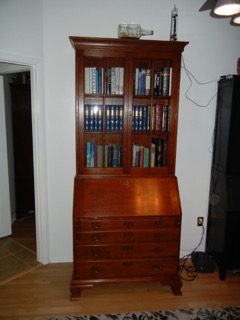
44,292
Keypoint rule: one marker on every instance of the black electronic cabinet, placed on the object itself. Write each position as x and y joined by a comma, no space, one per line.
223,240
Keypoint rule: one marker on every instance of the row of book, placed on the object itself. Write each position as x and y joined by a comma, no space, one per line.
94,155
155,156
93,119
114,81
141,118
114,117
159,119
162,81
142,81
94,79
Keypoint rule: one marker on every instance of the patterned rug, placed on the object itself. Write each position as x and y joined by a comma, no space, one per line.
225,313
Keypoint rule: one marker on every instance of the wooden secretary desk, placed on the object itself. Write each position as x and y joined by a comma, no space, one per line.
126,210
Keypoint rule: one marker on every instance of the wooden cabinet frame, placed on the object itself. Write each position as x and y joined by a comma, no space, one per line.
127,196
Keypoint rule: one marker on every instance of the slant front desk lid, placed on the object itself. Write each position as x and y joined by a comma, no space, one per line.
138,196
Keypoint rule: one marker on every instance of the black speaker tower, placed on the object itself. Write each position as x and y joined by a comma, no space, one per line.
223,230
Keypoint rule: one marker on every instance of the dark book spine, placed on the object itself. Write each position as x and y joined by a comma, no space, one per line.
158,117
107,118
108,80
112,118
165,81
120,118
165,116
99,118
91,119
158,152
144,118
86,117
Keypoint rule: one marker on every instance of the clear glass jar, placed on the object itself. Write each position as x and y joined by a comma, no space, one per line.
132,31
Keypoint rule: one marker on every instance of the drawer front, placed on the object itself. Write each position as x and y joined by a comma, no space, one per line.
127,251
89,270
127,236
126,223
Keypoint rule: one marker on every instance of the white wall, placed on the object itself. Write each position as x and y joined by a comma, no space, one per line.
213,50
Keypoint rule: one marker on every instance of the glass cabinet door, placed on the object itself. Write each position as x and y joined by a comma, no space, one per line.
151,108
103,119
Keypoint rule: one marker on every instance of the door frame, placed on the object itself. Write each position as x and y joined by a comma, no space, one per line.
39,150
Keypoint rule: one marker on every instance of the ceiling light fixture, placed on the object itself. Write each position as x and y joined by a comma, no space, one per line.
227,7
236,19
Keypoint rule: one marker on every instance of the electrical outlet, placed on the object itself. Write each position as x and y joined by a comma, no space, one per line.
199,221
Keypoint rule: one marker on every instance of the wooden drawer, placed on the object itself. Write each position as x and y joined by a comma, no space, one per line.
127,251
126,223
127,236
124,268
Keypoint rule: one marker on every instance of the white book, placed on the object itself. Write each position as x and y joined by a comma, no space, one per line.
121,85
136,83
86,80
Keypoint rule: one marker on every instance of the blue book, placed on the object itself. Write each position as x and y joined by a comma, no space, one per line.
114,156
107,117
144,118
99,118
100,80
86,117
140,118
116,118
142,81
110,150
112,118
92,154
136,118
95,117
146,157
88,154
120,118
120,156
91,118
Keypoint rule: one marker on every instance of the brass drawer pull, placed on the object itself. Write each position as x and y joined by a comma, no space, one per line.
127,263
96,269
97,237
128,224
127,248
158,250
77,226
159,223
96,252
96,225
157,267
159,236
128,234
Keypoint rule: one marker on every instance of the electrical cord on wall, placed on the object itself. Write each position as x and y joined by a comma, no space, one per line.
190,77
190,271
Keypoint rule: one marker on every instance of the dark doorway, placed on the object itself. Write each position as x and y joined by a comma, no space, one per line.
20,94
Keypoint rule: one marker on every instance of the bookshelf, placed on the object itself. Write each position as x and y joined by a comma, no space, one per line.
126,207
